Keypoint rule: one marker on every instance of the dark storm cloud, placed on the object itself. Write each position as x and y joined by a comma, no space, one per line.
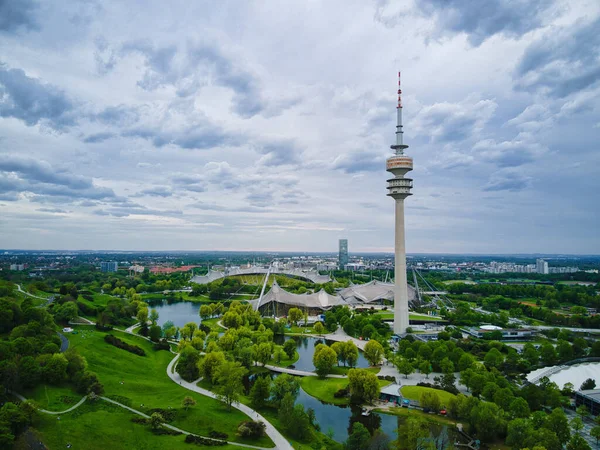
483,20
18,14
98,137
563,61
359,162
33,102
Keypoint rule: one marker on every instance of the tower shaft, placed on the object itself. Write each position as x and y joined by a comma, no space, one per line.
400,286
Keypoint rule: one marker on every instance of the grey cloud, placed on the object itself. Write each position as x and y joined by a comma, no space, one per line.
507,180
136,210
483,20
359,162
260,198
33,102
196,137
562,61
53,210
452,122
159,61
18,14
121,115
279,153
248,100
508,153
39,177
157,191
98,137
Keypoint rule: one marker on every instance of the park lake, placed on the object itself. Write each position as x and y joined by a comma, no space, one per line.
333,419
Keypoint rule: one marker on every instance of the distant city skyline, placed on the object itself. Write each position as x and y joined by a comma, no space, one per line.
265,127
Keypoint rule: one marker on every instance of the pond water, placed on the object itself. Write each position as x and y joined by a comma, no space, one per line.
576,374
179,313
305,346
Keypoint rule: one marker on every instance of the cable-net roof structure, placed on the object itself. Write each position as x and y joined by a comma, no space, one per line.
319,300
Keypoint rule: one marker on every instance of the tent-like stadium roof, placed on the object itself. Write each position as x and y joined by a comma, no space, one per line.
371,292
320,299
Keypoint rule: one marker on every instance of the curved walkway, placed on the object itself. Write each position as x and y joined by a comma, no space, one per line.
64,342
280,441
45,411
139,413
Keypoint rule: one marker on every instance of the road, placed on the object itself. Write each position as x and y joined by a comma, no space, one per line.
64,342
47,300
281,443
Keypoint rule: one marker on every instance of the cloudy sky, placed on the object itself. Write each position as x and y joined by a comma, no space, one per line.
265,125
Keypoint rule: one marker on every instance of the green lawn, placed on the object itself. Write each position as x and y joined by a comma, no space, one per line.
287,361
414,393
409,412
100,426
53,398
146,384
212,323
343,370
323,389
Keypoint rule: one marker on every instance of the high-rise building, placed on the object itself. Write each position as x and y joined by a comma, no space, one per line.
541,266
109,266
343,254
399,188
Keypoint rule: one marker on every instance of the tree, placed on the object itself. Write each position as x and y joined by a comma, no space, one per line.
188,402
319,328
289,347
55,370
324,359
412,433
153,316
66,312
425,367
260,391
493,358
430,400
363,386
518,433
294,315
519,408
210,365
595,433
286,410
284,384
373,352
187,365
351,353
263,352
404,366
590,383
557,421
358,438
229,382
205,312
142,316
155,333
548,354
486,419
577,424
156,420
577,442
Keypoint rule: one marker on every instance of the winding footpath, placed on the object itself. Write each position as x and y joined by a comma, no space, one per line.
45,411
281,443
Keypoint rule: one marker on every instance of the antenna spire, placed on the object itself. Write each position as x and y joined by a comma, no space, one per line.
399,92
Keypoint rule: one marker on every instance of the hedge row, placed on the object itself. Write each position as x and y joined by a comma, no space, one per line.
112,340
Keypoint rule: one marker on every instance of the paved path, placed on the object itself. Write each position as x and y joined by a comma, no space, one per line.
135,411
77,405
300,373
280,441
64,342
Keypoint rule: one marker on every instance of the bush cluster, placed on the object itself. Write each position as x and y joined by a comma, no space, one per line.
193,439
112,340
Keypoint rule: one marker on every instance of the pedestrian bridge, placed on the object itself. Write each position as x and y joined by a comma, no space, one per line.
310,275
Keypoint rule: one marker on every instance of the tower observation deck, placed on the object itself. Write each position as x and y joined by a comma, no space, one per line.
399,188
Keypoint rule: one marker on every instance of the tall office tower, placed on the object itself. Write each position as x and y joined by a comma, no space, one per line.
399,188
343,254
541,266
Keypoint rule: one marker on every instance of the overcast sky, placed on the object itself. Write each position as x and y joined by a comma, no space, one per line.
265,125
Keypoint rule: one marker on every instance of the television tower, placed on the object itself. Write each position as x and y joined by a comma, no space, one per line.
399,188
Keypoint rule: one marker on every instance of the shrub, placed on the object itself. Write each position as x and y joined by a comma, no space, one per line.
168,415
218,435
193,439
162,345
165,431
341,393
251,429
112,340
101,327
